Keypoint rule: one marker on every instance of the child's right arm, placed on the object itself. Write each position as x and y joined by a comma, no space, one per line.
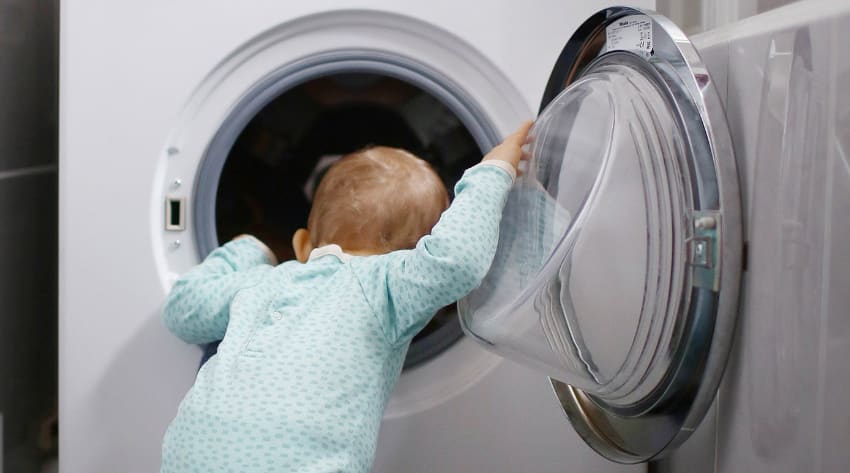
198,308
446,265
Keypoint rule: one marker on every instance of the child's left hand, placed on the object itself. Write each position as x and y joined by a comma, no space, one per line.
269,253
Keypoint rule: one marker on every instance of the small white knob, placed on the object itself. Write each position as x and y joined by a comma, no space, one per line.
705,222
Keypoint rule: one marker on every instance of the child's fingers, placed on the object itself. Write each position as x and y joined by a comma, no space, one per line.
517,138
525,155
525,149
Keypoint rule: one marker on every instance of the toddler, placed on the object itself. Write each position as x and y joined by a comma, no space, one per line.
312,348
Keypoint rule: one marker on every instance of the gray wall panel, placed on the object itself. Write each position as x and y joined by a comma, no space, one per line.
28,347
28,83
28,232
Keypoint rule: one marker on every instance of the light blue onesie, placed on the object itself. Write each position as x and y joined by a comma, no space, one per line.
311,352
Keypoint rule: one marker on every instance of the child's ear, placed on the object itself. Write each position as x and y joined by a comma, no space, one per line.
301,244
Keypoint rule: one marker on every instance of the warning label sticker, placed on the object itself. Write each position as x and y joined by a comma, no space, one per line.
631,33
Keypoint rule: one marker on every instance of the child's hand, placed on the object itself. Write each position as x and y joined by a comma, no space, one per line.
269,253
510,151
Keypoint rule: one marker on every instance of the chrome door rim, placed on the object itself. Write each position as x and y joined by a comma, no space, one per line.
675,411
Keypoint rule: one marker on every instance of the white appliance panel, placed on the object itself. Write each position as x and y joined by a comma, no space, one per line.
128,73
782,404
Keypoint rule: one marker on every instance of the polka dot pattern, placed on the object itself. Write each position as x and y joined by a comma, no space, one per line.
311,352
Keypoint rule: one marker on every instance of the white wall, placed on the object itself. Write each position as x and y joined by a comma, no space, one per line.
695,16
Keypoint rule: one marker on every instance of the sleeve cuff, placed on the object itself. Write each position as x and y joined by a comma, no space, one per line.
503,165
251,252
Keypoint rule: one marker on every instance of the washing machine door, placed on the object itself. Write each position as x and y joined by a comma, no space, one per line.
617,270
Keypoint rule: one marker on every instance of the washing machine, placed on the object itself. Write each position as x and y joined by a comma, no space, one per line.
675,256
184,124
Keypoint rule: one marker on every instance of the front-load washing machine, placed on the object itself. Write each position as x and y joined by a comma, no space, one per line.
184,124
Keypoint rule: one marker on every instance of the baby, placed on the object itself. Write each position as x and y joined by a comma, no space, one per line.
312,348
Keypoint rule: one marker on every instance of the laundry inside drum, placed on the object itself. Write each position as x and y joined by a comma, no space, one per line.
276,163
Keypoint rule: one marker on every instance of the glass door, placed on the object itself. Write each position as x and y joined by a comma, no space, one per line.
618,263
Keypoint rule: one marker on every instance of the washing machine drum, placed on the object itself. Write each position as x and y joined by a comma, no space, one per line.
261,171
617,267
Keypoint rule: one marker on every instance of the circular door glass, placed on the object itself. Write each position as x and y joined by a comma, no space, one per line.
588,280
619,252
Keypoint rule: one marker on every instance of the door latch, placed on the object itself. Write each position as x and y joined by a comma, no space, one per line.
704,249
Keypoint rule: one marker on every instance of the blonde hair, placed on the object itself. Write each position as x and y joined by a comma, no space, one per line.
376,199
